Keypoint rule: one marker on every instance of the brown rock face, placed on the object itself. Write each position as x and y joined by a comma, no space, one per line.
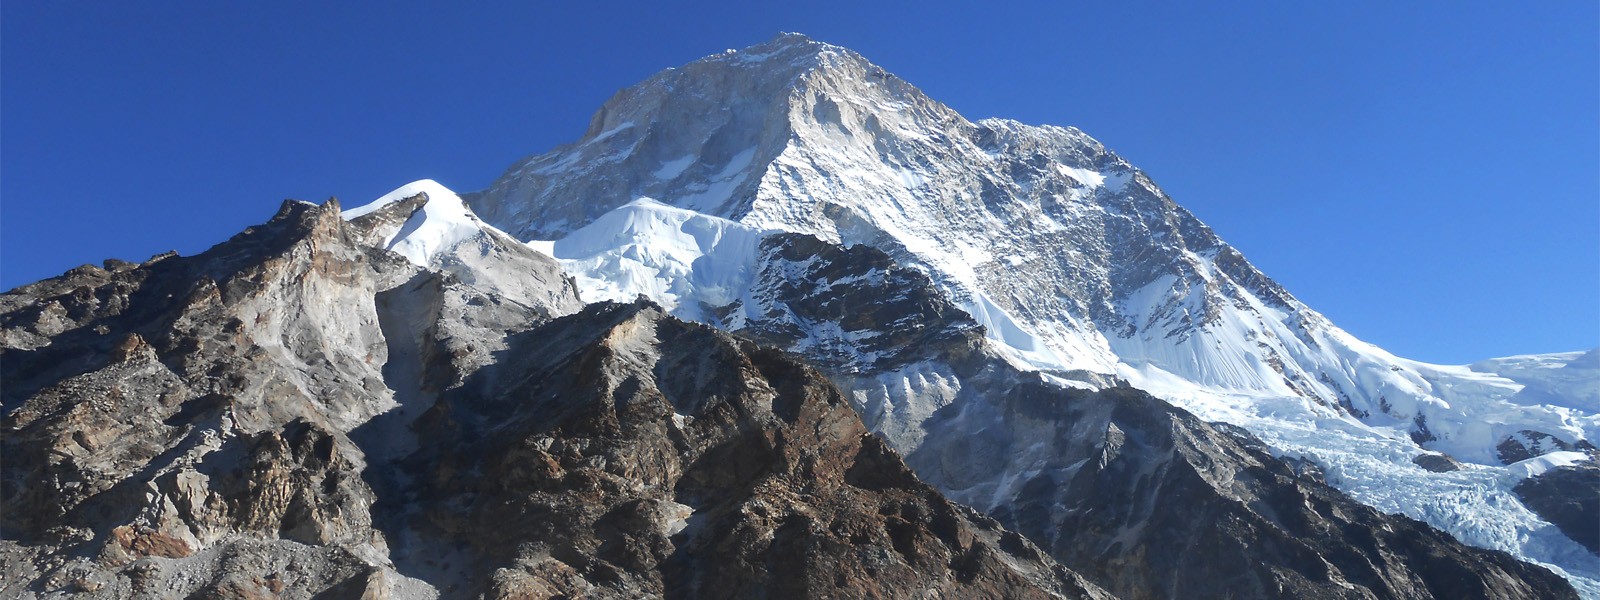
653,457
148,542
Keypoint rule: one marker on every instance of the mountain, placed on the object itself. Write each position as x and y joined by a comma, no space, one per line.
303,411
777,326
1071,262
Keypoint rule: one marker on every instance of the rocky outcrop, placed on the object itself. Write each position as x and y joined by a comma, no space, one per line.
1438,463
215,339
852,309
1569,497
1528,444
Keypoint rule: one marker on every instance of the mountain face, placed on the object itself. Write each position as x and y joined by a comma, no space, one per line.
1072,258
623,453
1065,259
838,342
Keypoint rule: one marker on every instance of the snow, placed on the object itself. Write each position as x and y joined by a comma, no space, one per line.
895,403
679,258
1083,176
604,135
1017,342
443,222
689,261
1537,465
1570,379
673,168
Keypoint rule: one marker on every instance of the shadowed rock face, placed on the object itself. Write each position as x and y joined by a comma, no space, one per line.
1570,498
1150,502
297,414
1527,444
880,316
622,453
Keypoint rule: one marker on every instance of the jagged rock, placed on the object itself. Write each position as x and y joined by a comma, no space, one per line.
1150,502
622,453
188,406
884,314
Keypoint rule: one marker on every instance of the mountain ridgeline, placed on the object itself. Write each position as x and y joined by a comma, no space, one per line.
777,326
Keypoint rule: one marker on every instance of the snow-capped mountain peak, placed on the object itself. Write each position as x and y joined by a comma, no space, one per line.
1073,261
440,223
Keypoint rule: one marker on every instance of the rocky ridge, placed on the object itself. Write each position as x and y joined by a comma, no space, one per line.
301,412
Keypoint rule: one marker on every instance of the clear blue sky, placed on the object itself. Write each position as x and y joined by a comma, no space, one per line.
1425,173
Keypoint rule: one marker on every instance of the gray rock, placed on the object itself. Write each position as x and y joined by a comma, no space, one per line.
164,420
1438,463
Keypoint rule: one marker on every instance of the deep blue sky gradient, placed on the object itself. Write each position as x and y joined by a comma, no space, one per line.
1425,173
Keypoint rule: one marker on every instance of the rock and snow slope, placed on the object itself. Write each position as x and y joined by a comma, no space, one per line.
1073,260
304,411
